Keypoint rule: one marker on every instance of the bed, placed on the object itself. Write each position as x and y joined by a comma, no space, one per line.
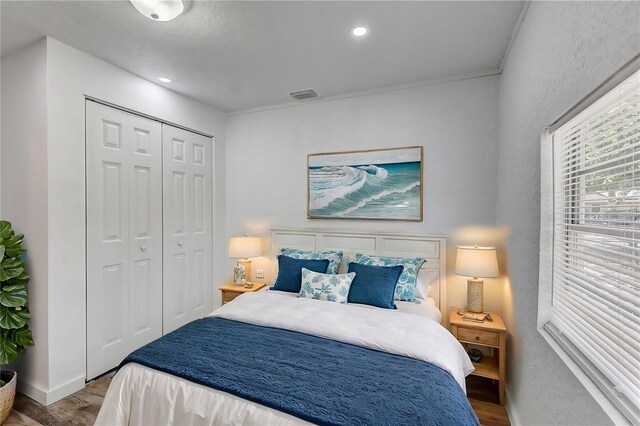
273,358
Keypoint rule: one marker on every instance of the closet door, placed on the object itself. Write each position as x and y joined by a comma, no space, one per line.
124,235
188,234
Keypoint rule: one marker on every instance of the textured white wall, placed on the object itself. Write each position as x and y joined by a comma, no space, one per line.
24,185
70,75
563,50
456,123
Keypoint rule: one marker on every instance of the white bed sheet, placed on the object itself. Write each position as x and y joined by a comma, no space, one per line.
426,308
143,396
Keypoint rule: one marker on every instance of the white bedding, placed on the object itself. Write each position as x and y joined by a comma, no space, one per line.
142,396
426,308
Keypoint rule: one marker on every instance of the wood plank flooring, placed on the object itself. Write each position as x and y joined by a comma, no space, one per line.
484,398
79,409
82,407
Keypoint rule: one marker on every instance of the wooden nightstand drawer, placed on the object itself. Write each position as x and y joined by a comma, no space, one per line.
228,296
231,291
479,337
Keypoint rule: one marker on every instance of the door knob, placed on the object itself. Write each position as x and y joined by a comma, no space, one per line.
143,248
180,243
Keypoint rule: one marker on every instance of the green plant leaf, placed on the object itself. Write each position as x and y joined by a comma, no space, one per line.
13,272
13,317
23,278
13,267
14,331
8,351
15,251
12,262
13,245
5,229
23,337
13,296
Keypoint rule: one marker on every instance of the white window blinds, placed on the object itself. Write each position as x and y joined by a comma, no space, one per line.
595,297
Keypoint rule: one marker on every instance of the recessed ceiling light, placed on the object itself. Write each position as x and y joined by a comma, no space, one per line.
159,10
359,31
164,79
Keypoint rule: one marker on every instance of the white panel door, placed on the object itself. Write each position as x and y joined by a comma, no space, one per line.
188,227
124,235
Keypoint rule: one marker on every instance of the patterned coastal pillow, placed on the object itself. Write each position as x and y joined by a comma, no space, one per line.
334,257
330,287
406,287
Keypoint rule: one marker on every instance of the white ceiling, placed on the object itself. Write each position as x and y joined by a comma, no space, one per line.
239,55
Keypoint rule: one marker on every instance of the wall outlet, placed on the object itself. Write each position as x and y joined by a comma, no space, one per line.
260,273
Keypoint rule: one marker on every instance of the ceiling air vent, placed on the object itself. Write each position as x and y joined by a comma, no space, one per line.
300,95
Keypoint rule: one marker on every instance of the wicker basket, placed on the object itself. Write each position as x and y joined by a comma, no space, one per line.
7,394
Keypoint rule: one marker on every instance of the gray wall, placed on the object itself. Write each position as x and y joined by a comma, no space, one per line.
563,50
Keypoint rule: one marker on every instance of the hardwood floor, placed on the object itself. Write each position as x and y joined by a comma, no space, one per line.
79,409
82,407
484,398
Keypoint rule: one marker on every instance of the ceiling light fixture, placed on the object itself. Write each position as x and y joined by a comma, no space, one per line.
359,31
164,79
159,10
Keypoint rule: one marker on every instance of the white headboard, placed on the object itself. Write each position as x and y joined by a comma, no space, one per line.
431,247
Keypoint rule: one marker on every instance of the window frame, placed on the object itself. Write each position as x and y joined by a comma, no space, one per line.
589,376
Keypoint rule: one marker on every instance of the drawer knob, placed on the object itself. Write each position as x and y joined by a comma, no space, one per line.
477,337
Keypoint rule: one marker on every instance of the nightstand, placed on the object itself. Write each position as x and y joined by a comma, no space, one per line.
490,334
231,291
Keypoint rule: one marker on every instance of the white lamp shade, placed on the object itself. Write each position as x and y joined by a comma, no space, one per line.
244,247
159,10
477,262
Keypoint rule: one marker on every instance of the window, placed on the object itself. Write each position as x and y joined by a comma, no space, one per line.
590,251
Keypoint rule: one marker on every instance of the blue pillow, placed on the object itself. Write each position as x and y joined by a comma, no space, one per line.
374,285
290,272
406,288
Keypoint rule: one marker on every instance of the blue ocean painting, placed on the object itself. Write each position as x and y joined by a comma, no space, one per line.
373,191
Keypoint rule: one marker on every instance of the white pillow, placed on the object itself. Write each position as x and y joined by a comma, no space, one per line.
423,285
330,287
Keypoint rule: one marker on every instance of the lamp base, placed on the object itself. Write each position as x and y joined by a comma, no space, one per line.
474,295
246,264
239,275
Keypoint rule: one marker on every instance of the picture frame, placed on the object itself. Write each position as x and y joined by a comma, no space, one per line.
373,184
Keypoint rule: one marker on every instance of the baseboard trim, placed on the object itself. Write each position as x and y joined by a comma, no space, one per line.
511,411
53,395
32,391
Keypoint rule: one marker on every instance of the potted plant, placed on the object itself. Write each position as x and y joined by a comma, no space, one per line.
14,314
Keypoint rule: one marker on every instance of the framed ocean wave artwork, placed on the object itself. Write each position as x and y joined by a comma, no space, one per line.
372,184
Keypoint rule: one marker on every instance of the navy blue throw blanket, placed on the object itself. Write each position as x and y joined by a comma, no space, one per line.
318,380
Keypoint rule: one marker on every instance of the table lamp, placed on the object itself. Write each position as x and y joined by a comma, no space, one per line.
476,262
243,248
